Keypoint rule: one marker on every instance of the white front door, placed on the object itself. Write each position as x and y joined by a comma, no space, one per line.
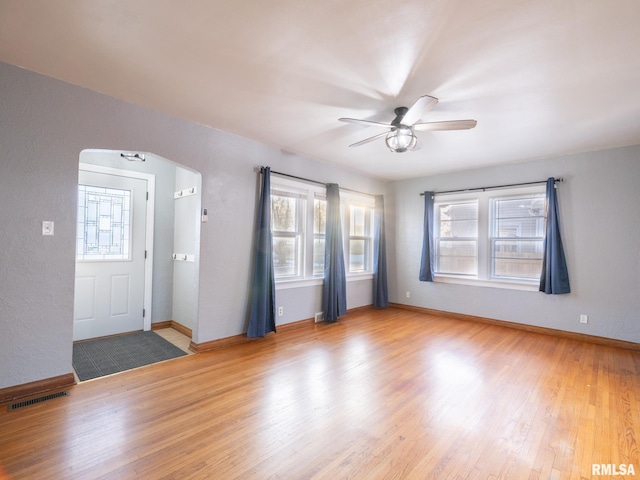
110,255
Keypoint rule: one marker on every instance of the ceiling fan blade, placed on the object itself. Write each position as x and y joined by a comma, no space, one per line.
418,109
366,123
367,140
447,125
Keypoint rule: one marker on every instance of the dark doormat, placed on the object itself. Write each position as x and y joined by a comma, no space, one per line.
104,356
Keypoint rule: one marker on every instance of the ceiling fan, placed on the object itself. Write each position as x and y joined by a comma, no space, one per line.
400,134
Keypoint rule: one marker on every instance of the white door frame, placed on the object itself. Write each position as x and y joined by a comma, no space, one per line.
148,264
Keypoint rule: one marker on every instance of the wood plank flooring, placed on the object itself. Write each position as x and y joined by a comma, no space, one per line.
388,394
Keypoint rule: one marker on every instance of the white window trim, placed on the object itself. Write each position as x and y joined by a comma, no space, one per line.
348,199
515,285
307,279
483,279
309,190
287,284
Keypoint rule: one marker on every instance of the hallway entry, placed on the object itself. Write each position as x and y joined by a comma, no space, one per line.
111,253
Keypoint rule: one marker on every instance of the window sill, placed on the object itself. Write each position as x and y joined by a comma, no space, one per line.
527,287
298,283
356,277
312,282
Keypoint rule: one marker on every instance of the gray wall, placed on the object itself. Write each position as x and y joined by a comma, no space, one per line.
600,223
186,240
44,125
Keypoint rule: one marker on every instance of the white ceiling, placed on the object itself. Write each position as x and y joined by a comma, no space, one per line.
542,77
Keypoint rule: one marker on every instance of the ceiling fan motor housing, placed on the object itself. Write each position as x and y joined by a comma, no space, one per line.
400,113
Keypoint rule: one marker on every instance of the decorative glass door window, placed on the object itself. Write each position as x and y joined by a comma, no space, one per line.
104,224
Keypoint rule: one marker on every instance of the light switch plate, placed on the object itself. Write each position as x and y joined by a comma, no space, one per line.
47,227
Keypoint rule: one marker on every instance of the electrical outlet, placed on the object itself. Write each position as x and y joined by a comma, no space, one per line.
47,227
280,311
408,294
584,318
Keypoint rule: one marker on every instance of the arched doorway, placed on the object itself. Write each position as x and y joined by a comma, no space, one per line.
171,287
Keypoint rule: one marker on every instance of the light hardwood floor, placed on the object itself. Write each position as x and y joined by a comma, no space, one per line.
176,338
382,394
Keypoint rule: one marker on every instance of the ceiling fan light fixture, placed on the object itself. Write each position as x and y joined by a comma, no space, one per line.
401,139
400,135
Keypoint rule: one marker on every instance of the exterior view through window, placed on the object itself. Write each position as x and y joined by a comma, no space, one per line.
494,236
298,226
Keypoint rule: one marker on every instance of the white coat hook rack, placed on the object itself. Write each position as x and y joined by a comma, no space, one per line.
183,257
185,193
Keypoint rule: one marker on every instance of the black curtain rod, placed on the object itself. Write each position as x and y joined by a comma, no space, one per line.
317,182
298,178
482,189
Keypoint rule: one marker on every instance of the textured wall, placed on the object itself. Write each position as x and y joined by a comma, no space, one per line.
44,125
186,237
600,226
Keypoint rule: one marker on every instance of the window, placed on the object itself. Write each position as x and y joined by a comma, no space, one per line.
103,231
517,235
287,226
493,237
298,224
359,248
456,240
319,226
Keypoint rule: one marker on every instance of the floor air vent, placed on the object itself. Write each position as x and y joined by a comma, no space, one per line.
33,401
